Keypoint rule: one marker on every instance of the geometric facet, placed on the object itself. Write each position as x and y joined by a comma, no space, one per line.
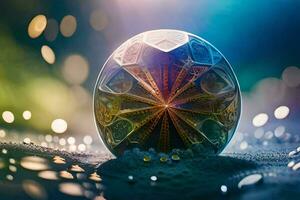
166,89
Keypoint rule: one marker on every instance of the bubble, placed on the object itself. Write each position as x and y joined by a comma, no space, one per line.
140,93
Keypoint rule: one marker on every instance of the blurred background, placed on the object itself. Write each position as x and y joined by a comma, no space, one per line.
52,51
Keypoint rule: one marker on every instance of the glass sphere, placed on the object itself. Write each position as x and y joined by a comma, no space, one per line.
166,89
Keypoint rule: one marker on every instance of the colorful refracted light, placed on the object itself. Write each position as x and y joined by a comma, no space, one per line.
166,89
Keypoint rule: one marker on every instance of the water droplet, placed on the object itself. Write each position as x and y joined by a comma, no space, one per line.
95,177
293,153
296,166
175,157
147,158
59,160
223,188
4,151
76,168
250,180
34,190
12,161
49,175
34,163
73,189
153,178
163,159
27,141
66,175
131,179
291,164
9,177
12,168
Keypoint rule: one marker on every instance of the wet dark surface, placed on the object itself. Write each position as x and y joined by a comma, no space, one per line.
32,172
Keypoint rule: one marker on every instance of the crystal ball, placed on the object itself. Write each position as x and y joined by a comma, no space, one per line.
166,89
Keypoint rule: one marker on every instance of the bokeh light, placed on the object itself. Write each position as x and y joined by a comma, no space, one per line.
26,115
51,30
48,54
68,26
8,116
281,112
2,133
59,126
260,119
291,76
37,25
75,69
98,20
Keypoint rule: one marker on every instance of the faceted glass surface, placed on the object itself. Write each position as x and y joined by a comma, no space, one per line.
166,89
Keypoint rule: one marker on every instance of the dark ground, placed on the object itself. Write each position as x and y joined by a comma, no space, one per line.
191,177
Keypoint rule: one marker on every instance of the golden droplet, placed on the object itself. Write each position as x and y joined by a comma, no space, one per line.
175,157
37,25
95,177
147,158
66,175
76,168
163,159
59,160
